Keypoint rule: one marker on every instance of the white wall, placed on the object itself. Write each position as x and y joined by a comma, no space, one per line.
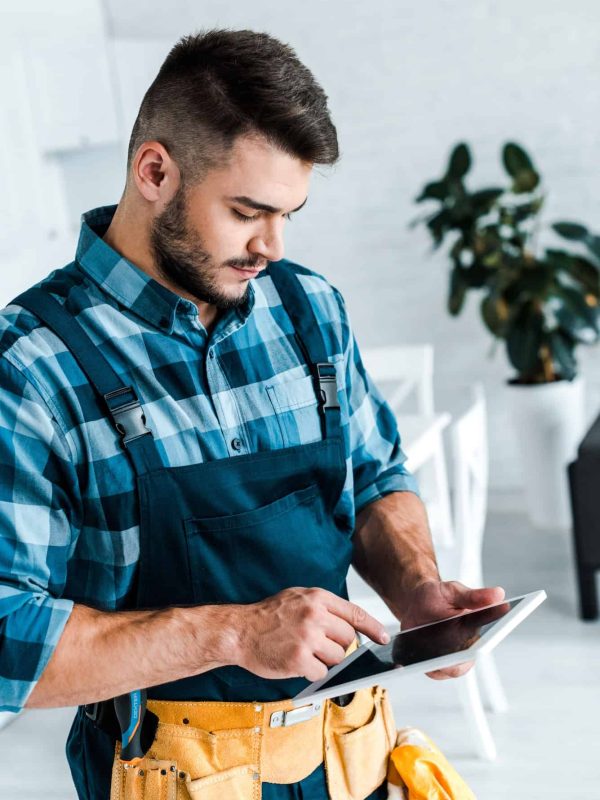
406,80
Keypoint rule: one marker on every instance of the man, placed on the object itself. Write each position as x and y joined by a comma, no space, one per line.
193,454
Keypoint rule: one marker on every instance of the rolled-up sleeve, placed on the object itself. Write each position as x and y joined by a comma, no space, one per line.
378,461
39,512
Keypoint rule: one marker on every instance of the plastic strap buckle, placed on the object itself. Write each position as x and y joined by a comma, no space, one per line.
92,711
325,375
129,417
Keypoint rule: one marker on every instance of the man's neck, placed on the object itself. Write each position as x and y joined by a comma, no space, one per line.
129,235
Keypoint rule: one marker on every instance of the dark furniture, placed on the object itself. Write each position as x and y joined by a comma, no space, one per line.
584,481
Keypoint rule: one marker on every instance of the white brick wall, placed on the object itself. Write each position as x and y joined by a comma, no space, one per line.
406,80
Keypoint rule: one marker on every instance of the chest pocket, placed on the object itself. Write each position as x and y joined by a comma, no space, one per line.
295,408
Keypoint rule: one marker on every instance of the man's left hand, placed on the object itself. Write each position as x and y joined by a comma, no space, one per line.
434,600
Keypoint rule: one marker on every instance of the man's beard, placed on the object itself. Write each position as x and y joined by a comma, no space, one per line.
180,257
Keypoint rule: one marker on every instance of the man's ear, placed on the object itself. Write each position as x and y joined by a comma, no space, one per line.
155,173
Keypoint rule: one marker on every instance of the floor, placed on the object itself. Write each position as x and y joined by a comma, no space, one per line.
547,741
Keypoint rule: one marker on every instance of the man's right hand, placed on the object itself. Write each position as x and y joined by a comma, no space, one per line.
300,633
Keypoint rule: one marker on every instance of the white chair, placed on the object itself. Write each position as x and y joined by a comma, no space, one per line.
402,372
463,561
408,369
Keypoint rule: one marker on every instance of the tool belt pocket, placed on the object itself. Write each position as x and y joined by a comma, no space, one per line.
358,738
186,763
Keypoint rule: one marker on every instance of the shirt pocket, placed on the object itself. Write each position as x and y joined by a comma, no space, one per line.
294,405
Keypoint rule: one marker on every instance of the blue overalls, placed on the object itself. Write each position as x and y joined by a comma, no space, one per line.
235,530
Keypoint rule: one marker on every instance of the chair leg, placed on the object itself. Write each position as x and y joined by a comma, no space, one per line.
588,593
446,534
473,709
493,690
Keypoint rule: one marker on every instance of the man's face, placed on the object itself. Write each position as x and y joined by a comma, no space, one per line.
212,237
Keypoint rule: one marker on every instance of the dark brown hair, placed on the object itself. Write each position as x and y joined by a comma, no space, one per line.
219,84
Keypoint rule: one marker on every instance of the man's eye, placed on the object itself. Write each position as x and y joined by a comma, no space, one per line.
244,217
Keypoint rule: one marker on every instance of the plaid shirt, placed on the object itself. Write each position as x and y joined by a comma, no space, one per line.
69,520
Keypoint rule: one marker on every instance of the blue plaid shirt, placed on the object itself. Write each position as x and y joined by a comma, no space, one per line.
69,526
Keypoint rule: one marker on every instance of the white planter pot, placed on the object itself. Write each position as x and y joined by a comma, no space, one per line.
549,421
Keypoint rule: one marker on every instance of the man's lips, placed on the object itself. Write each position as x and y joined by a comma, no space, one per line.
249,270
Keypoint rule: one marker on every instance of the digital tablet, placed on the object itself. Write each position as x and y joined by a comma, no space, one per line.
425,648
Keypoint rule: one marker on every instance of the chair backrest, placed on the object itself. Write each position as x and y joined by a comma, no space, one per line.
401,371
470,471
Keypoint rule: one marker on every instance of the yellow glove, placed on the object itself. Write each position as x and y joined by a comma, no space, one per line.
419,771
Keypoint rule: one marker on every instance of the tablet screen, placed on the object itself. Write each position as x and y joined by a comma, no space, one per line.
422,644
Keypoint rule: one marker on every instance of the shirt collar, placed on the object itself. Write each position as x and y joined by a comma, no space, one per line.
127,284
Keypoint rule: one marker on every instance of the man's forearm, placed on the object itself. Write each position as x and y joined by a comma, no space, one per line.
393,551
105,654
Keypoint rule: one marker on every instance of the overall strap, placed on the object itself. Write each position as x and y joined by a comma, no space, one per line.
311,342
120,400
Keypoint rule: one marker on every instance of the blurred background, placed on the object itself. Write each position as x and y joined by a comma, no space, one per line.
406,82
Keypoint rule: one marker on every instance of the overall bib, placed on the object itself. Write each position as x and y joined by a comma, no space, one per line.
234,530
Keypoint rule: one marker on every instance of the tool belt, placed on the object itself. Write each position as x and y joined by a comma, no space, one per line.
214,750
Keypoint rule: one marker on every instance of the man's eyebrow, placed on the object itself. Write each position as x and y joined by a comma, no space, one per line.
250,203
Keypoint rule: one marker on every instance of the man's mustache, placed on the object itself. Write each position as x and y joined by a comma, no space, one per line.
244,263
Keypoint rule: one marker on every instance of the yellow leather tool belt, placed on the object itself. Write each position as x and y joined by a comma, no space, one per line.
225,751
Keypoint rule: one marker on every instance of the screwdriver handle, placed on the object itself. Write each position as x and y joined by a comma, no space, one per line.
130,710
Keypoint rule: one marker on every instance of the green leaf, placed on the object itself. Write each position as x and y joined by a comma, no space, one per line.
593,245
562,348
574,315
579,268
458,290
484,199
526,210
559,260
515,159
525,338
419,220
579,233
525,181
436,190
520,167
494,313
476,275
462,215
571,230
535,281
460,162
439,224
587,274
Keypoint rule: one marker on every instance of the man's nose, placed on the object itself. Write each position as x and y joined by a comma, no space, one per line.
268,244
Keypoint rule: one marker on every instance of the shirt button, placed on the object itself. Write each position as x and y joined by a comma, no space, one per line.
236,444
211,353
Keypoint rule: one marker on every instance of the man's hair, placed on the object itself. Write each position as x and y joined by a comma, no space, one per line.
219,84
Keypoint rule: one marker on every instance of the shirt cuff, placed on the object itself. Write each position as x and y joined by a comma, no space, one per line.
28,638
395,479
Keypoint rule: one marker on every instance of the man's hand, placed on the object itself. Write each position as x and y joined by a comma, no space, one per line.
435,600
300,632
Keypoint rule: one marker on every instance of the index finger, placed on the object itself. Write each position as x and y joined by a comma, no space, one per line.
360,620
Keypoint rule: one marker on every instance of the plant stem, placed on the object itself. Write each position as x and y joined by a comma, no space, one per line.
549,374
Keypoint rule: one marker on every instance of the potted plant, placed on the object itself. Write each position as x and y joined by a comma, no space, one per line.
542,302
